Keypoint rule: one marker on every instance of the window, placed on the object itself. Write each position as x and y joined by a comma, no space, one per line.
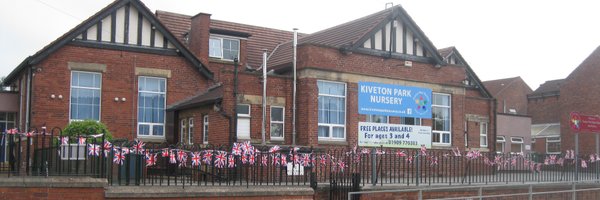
516,144
410,121
441,132
205,129
553,145
191,131
72,151
224,48
85,95
378,118
152,97
332,110
483,134
183,129
277,122
500,141
243,122
7,121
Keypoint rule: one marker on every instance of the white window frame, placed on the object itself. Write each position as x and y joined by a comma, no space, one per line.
370,118
282,122
553,140
442,133
4,137
515,140
248,116
501,139
221,38
150,131
205,123
483,133
190,130
182,130
331,126
69,151
90,88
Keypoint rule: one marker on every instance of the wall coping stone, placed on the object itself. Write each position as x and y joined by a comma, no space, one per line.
53,182
205,191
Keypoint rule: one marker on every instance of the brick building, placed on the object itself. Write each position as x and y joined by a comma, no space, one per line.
171,77
544,108
514,125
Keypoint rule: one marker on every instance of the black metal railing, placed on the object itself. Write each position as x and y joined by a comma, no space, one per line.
135,163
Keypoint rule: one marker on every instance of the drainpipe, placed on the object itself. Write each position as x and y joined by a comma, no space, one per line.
235,94
28,106
494,106
264,97
294,89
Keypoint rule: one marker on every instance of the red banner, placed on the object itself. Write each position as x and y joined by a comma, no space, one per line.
584,123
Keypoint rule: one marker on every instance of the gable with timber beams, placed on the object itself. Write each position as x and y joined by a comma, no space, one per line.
399,36
126,25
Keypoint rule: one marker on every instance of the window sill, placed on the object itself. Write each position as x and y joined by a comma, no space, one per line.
333,142
152,139
219,60
480,149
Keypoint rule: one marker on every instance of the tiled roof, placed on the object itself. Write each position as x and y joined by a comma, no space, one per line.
552,86
261,37
496,86
211,95
344,34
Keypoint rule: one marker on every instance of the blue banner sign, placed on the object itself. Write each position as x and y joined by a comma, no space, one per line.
394,100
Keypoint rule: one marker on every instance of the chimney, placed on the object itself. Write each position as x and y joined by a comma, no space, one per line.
199,35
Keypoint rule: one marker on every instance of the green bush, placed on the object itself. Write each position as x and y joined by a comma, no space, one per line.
86,127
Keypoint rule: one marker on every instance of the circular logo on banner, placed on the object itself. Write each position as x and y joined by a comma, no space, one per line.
575,121
422,101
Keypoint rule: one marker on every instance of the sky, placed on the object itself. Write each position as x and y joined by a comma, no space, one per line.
538,40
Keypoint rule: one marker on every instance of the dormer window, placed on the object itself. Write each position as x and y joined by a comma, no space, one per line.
224,48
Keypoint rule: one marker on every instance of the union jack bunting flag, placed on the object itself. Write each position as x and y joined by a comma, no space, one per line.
139,147
236,149
12,131
207,157
456,152
380,152
220,160
165,153
124,150
423,150
342,165
64,140
172,158
246,147
264,160
150,159
296,159
29,134
400,153
81,140
434,160
283,159
323,160
231,161
306,160
410,159
93,149
276,159
119,157
274,149
365,151
251,159
196,159
107,146
244,159
181,156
